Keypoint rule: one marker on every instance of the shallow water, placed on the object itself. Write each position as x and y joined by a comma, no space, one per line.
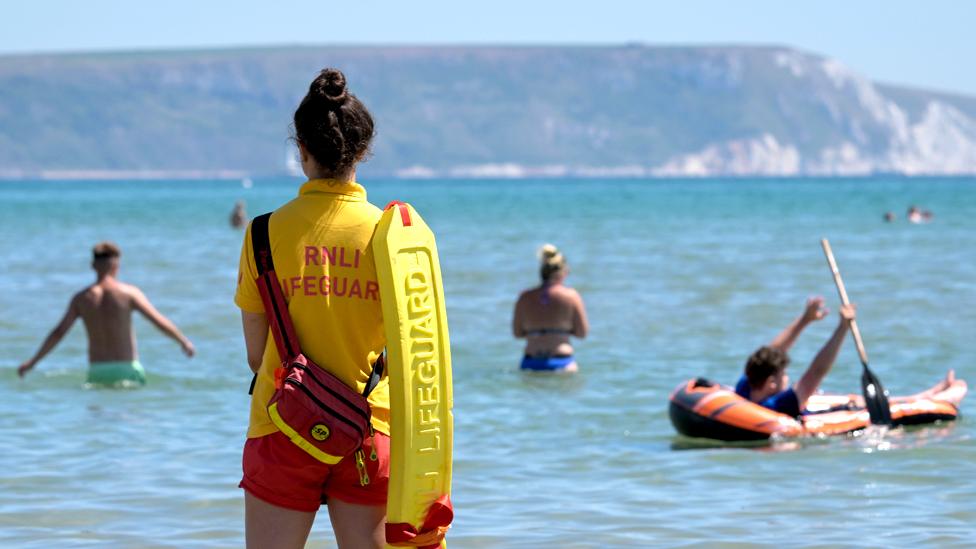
681,278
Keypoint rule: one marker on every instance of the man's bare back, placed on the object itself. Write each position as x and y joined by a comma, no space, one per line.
106,308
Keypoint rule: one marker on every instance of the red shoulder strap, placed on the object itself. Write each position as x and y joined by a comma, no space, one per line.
275,306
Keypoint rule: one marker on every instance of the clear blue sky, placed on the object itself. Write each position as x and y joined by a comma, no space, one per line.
929,44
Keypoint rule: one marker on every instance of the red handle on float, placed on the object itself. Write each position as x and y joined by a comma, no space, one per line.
439,518
404,211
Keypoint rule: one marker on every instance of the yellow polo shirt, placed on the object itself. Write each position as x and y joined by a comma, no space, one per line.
320,242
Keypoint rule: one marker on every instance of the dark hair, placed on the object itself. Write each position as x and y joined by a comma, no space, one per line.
766,361
332,124
105,250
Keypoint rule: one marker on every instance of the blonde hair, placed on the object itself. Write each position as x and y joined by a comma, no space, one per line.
551,261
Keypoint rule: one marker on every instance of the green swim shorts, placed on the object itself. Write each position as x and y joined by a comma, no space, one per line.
116,372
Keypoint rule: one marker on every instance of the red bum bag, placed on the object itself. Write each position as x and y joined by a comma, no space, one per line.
313,408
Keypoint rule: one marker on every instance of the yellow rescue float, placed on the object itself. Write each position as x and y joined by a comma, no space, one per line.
419,509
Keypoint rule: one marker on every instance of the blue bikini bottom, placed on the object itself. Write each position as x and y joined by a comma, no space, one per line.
557,362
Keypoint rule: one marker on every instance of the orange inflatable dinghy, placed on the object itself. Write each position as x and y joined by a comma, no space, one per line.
701,408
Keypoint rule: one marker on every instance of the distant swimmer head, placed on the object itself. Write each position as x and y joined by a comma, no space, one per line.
766,371
332,127
552,263
238,216
105,257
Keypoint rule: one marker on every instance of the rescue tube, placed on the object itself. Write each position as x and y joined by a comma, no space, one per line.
419,365
701,408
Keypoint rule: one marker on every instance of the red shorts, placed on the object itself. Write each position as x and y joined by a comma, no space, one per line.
280,473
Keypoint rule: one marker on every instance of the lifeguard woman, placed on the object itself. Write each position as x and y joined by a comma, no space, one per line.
320,246
546,316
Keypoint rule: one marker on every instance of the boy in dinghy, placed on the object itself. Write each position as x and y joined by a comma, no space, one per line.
765,381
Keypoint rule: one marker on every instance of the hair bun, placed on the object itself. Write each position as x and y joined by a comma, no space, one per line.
331,86
547,252
552,261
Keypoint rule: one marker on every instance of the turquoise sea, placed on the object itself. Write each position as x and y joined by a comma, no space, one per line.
681,279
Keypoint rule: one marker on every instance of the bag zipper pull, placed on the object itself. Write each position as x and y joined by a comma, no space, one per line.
372,436
361,467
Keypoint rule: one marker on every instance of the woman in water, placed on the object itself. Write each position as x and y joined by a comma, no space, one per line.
547,315
339,324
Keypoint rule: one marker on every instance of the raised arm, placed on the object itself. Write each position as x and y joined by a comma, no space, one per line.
814,311
255,336
141,303
52,339
824,361
581,325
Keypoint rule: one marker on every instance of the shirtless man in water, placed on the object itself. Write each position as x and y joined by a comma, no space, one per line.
106,309
548,315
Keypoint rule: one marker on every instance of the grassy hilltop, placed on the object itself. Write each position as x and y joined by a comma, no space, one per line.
469,111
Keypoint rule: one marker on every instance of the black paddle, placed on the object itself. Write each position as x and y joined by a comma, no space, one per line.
875,396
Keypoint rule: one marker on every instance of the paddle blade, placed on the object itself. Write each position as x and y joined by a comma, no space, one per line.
876,398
